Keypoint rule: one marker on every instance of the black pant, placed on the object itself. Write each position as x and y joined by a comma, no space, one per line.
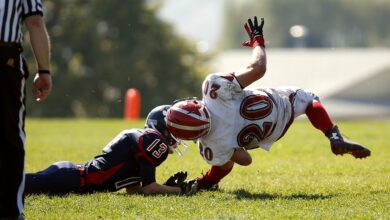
13,75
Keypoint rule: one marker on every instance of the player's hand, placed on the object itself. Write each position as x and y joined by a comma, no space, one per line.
176,179
41,86
255,32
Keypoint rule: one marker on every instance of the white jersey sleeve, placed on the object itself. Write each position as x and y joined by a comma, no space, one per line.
221,87
221,95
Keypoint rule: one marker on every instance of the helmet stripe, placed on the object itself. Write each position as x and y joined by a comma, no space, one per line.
188,128
199,117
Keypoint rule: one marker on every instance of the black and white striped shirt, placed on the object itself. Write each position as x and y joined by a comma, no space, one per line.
12,13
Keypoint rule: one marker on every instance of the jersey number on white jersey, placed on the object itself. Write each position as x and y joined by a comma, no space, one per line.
254,108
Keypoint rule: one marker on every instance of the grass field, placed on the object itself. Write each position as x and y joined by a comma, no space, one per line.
298,179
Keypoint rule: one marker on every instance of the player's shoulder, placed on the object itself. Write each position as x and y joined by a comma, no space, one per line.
220,80
151,133
153,146
146,135
141,136
223,86
131,131
220,76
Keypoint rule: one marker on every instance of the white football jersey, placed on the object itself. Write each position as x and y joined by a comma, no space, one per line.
249,118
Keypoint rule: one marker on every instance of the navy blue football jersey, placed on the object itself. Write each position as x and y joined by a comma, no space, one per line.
129,159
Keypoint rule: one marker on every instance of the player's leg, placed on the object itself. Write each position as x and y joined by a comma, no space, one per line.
341,145
218,154
241,157
210,180
61,177
308,103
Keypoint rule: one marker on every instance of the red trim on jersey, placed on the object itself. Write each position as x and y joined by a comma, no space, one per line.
100,177
229,77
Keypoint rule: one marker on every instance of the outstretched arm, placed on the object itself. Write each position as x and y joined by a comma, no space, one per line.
155,188
149,184
258,63
175,184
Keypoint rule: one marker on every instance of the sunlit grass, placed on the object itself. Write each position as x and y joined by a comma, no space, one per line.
299,178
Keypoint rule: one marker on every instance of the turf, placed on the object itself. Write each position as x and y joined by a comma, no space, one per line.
298,179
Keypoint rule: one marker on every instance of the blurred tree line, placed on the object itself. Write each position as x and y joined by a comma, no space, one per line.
314,23
102,48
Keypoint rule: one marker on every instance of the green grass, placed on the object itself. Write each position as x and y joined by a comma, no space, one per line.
299,178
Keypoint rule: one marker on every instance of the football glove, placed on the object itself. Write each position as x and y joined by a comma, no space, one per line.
176,179
255,32
189,187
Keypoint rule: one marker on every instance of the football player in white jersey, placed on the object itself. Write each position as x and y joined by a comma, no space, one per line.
230,119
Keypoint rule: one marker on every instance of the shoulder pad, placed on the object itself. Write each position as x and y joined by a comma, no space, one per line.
222,86
152,147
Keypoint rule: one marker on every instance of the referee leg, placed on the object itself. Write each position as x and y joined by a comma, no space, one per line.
12,139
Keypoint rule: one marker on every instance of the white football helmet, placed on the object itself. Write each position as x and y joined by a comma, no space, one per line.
188,119
156,120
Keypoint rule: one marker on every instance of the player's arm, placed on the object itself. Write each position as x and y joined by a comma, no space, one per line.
148,179
258,63
155,188
133,190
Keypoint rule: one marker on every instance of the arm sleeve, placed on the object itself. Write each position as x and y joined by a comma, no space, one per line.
32,7
147,172
221,86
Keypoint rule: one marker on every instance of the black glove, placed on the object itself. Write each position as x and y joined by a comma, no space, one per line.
189,187
176,179
255,33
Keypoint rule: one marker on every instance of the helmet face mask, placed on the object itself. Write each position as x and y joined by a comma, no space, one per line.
180,147
188,119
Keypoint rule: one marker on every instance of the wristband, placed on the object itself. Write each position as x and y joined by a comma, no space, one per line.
258,41
44,72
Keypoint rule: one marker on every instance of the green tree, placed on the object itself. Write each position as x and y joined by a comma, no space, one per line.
102,48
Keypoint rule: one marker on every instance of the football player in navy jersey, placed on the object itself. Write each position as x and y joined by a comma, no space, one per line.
128,161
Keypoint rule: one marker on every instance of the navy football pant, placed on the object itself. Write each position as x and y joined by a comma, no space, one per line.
61,177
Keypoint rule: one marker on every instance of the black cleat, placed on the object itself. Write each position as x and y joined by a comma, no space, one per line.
340,145
210,187
202,184
348,147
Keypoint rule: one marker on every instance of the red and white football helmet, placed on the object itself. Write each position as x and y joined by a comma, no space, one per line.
188,119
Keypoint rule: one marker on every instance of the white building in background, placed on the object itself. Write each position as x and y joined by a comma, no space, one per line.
352,83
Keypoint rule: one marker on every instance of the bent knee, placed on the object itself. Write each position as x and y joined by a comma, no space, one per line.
242,157
244,161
